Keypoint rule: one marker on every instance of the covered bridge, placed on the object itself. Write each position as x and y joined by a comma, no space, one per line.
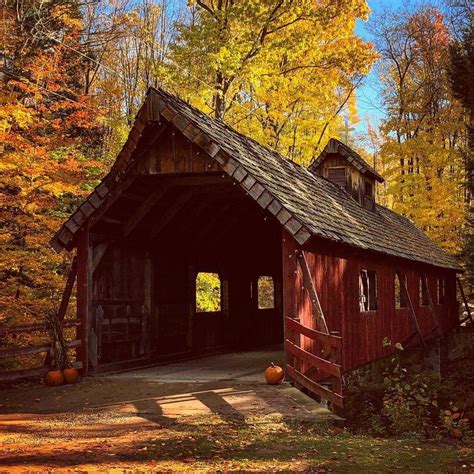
188,194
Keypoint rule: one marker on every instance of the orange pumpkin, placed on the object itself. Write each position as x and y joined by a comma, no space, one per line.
274,374
54,378
71,375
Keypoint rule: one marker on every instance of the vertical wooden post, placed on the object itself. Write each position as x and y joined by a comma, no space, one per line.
191,306
289,300
84,294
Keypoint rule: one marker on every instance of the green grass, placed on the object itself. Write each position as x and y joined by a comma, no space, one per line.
268,444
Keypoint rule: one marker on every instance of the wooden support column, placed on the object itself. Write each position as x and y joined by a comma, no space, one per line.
84,294
289,301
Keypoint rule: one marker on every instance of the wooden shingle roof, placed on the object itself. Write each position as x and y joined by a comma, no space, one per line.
306,204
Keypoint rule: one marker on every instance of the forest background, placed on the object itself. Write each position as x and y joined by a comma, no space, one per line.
288,73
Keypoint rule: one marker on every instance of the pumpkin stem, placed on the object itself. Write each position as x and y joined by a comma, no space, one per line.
272,364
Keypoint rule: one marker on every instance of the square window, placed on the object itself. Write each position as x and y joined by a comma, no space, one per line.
424,298
266,292
208,293
369,189
400,295
368,290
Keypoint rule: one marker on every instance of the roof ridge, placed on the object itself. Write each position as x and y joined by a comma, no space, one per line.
306,204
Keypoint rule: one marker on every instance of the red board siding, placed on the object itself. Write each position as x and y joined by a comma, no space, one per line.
336,277
328,274
364,332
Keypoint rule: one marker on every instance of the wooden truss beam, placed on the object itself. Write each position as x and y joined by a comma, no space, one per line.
144,209
170,213
432,307
99,252
313,295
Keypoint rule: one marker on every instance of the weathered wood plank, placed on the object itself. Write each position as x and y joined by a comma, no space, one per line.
19,329
16,351
314,387
322,364
16,375
326,339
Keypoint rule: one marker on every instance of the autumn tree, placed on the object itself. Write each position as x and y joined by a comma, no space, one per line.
280,71
423,132
49,130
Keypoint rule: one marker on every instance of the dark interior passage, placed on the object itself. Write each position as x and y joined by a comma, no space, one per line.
145,285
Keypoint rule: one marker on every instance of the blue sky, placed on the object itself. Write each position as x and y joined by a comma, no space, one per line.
368,101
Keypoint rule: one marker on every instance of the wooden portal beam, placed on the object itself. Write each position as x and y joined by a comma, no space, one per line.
144,209
311,289
412,309
170,213
210,179
464,299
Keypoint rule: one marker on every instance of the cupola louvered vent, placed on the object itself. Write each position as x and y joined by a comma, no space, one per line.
338,176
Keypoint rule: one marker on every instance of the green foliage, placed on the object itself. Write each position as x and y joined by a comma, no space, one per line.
208,292
409,402
454,422
266,292
395,397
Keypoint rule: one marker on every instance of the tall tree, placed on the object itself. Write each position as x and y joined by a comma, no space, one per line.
423,133
49,131
279,70
461,77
